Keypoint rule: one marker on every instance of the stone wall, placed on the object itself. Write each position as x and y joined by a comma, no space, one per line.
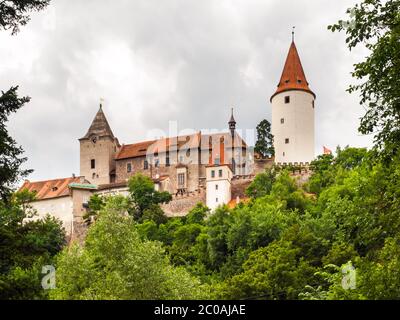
239,186
103,152
181,205
260,165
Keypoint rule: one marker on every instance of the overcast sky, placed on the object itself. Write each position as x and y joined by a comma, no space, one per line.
157,61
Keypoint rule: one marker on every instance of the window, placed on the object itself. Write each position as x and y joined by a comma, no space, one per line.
212,174
167,163
287,140
188,153
93,175
313,104
216,187
220,173
181,179
282,120
287,99
216,161
283,153
92,163
216,199
156,163
129,167
145,165
180,159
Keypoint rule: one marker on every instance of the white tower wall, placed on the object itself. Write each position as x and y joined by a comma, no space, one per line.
297,126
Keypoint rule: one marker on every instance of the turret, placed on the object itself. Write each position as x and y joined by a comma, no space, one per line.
293,114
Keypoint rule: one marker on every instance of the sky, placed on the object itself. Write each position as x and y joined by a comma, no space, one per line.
185,61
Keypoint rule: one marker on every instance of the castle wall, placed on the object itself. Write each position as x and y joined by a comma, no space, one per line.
181,205
60,208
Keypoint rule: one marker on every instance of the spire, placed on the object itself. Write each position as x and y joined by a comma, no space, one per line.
232,124
99,126
293,77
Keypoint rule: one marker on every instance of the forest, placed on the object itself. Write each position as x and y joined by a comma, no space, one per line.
334,237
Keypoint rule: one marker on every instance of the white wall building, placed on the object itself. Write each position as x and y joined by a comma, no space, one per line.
218,185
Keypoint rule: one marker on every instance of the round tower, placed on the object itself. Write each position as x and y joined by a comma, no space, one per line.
293,114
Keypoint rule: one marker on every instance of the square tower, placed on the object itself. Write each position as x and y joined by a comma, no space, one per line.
97,151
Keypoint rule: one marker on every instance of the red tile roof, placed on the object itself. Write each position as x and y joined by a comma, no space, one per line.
293,77
133,150
48,189
176,143
161,145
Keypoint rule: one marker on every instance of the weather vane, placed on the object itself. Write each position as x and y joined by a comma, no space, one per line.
101,102
293,33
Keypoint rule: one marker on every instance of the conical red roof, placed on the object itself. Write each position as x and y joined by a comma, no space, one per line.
293,77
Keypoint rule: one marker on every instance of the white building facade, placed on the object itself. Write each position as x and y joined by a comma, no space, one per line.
218,185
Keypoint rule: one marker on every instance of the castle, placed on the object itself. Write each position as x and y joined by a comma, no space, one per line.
211,168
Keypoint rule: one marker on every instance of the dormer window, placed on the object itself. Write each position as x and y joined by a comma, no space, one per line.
287,99
298,80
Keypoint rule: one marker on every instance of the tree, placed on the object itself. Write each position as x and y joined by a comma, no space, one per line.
11,157
265,140
274,272
262,184
14,13
375,24
25,246
144,196
115,263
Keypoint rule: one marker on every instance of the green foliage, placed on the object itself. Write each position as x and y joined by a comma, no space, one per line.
11,157
96,203
265,140
25,246
326,168
197,214
115,263
274,272
144,196
262,184
154,213
375,24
